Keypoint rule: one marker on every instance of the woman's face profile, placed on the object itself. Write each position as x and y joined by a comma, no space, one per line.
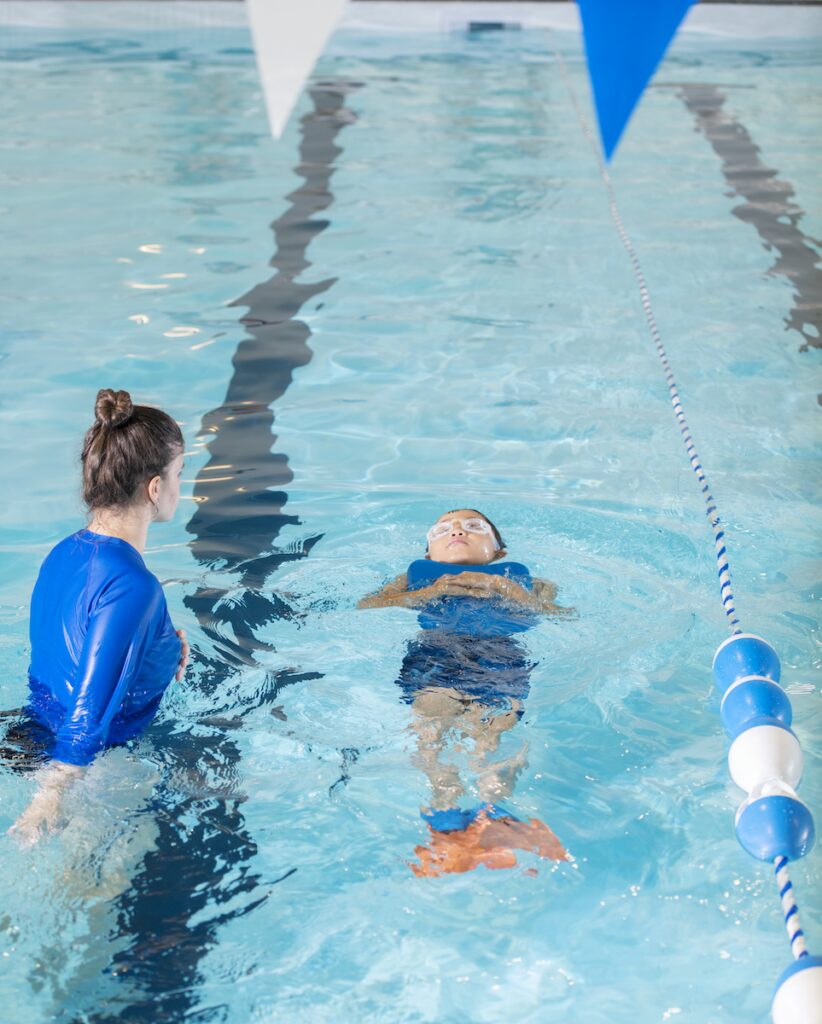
168,490
455,538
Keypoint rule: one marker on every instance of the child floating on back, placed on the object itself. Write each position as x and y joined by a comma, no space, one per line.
467,674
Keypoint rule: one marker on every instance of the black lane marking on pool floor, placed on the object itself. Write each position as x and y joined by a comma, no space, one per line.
769,206
199,875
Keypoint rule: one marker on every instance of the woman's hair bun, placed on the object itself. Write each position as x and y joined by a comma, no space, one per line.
113,408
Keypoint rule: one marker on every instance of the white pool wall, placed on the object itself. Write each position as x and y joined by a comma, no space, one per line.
740,21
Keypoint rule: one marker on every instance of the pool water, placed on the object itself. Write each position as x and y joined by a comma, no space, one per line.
442,316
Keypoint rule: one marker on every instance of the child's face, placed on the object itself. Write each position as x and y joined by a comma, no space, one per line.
462,538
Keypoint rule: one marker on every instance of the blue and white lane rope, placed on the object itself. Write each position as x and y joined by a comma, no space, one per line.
789,908
723,568
798,994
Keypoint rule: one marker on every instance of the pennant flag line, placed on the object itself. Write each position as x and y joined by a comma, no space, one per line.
289,36
624,42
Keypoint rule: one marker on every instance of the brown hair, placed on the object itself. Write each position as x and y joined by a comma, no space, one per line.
127,445
497,534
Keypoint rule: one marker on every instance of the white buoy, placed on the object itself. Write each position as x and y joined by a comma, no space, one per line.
765,752
798,998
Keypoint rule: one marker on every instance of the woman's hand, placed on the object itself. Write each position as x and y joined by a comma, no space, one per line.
184,649
43,813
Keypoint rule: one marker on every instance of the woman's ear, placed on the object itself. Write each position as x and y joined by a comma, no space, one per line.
500,554
153,489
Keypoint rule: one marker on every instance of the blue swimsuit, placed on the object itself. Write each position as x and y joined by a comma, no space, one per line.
467,643
103,649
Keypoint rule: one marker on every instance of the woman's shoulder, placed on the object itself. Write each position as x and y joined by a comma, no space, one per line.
111,566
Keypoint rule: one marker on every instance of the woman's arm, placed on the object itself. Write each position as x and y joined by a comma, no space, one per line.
120,627
44,810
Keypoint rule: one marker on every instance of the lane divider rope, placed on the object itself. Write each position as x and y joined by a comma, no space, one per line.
796,936
723,566
791,912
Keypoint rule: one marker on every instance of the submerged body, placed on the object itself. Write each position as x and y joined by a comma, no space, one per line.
103,646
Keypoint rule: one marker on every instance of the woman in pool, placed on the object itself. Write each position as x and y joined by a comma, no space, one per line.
466,673
103,648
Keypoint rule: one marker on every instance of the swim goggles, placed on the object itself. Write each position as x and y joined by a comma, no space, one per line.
474,524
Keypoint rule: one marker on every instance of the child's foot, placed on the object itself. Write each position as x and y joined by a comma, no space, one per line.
488,840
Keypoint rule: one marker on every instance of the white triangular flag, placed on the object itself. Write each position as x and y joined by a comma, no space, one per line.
289,36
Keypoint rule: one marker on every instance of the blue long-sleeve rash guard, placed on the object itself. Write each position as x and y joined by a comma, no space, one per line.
103,648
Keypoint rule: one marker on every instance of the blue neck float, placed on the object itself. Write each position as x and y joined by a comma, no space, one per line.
471,616
424,571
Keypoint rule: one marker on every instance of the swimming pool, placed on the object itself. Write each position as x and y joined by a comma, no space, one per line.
443,314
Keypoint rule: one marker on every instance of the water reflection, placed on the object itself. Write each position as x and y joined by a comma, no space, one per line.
199,873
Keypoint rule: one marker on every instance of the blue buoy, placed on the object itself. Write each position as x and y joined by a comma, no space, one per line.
752,699
775,825
744,655
756,723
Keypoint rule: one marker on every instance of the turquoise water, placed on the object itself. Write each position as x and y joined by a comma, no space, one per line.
479,340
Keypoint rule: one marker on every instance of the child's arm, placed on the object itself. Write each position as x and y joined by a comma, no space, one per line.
539,599
543,594
397,595
390,596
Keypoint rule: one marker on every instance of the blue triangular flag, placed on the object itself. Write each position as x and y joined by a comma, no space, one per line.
624,43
